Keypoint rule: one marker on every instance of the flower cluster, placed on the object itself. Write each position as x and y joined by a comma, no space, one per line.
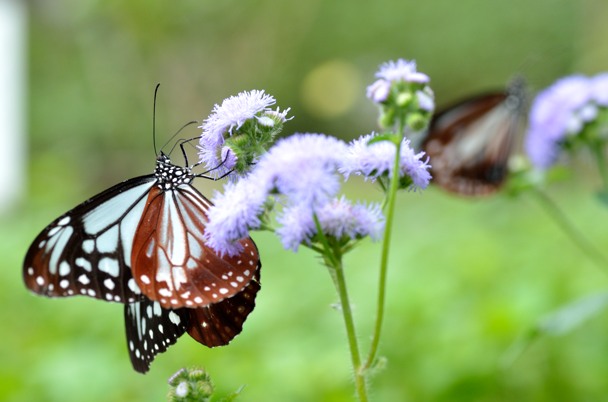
375,160
561,113
238,131
403,94
302,173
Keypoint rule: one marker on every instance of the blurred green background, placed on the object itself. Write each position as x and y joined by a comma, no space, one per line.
467,277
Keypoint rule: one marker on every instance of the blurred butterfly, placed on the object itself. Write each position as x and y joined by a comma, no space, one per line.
470,142
141,243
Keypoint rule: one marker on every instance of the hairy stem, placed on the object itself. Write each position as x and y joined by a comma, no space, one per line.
333,259
390,211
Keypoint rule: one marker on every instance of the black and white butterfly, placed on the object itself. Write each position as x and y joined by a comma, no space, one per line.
470,142
141,243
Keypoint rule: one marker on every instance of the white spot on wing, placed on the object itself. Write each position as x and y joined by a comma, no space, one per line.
64,268
54,231
128,226
108,241
175,238
179,277
109,283
84,279
191,264
58,247
109,266
82,263
133,286
174,318
157,309
88,246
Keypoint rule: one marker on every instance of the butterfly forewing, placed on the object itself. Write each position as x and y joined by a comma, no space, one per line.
87,250
470,143
151,329
172,264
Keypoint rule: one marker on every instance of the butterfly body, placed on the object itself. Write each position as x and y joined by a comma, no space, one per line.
470,143
141,243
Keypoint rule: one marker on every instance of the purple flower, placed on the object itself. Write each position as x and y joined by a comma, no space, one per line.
426,99
393,72
234,212
378,92
377,159
401,70
556,112
303,167
338,218
297,225
599,89
226,119
301,173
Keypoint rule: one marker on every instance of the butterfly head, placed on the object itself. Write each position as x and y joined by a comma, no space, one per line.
170,176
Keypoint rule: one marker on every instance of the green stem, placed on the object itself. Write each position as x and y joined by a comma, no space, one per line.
334,261
564,223
390,211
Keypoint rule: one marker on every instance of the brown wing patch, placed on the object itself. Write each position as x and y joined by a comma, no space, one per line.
170,261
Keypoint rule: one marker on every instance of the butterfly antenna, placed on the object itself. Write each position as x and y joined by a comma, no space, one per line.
180,141
154,119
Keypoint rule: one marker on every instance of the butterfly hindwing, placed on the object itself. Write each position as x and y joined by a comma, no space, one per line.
151,329
219,323
87,250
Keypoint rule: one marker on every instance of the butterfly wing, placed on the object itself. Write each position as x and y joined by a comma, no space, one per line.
470,143
151,329
171,262
218,324
87,250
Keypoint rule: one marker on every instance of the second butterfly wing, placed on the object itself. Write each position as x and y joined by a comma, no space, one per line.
470,143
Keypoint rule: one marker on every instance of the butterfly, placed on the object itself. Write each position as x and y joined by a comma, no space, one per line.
470,142
141,243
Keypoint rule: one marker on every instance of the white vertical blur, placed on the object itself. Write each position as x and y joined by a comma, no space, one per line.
12,101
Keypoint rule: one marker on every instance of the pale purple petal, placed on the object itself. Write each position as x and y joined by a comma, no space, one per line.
378,92
228,117
235,211
340,218
297,226
304,166
599,89
377,159
551,118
